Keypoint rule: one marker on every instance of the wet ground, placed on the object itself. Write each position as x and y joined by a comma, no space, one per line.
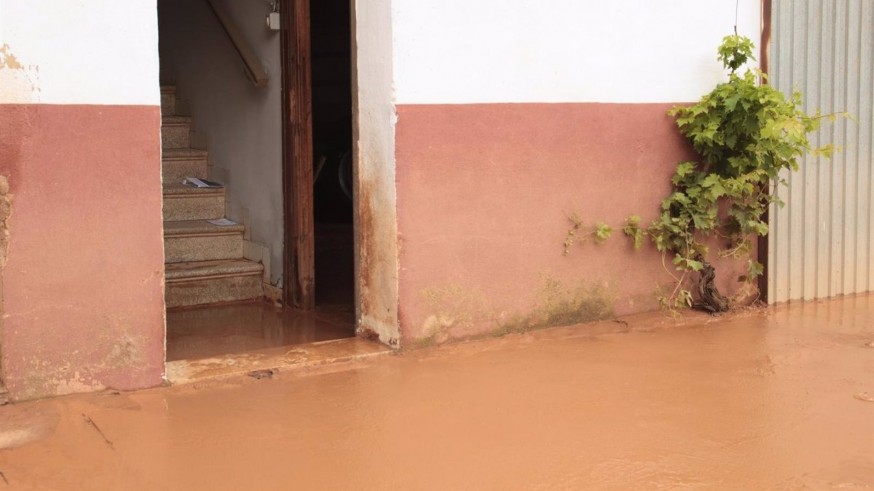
779,399
204,332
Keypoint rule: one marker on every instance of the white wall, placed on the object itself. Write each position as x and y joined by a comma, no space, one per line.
239,124
79,52
464,51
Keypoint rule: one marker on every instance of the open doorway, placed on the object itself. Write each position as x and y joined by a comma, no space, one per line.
319,196
332,152
225,120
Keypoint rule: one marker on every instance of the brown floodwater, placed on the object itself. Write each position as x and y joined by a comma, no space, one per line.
773,399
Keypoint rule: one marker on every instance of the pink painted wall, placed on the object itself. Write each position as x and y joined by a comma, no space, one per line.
483,196
82,287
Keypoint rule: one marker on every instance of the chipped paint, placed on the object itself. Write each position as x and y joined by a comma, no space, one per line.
18,83
454,308
8,60
5,213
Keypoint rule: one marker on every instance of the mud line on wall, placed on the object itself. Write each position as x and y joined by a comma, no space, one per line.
373,323
459,313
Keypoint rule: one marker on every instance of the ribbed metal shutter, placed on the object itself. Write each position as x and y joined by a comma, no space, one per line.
822,242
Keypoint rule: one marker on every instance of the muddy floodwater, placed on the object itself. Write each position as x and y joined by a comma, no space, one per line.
776,399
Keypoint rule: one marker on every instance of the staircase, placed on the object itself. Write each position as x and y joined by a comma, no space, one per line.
203,262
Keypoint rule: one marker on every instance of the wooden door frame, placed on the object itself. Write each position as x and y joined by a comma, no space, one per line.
297,156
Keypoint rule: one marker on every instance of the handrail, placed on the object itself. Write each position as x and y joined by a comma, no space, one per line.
254,69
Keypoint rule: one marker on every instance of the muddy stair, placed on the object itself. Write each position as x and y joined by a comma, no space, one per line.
204,261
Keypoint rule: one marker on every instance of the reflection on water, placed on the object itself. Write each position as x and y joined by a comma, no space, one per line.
217,330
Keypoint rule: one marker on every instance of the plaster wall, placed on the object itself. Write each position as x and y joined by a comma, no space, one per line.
239,124
82,281
513,115
94,52
621,51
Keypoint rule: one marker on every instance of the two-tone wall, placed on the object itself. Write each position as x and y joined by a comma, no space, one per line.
82,263
511,115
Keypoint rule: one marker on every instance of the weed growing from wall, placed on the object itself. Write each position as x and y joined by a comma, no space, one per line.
745,133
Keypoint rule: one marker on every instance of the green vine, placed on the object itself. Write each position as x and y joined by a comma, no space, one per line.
746,133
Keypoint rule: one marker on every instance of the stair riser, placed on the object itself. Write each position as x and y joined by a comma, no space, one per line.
213,290
194,208
203,248
176,136
173,171
168,103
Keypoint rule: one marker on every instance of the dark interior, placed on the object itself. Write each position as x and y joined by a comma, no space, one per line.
332,151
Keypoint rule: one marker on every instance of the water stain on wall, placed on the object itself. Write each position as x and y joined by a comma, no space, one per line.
459,312
562,305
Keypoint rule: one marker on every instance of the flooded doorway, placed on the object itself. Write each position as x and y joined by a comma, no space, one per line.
223,83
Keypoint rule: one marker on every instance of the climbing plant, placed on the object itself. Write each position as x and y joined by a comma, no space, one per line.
745,133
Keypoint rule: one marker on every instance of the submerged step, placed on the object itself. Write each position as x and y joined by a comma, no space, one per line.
207,282
190,203
200,240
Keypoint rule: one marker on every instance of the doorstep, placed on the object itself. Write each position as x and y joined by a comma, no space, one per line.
267,362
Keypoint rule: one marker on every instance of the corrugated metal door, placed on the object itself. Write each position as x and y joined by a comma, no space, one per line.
822,242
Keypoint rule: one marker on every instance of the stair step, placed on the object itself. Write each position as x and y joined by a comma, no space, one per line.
206,282
168,100
190,203
179,163
199,240
175,131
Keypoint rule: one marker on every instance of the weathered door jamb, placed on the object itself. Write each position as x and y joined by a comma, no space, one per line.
297,156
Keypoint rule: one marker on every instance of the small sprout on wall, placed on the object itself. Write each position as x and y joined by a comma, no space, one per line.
580,232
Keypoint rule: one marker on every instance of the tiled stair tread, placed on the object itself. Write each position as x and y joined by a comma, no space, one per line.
175,120
180,189
183,154
200,269
196,227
